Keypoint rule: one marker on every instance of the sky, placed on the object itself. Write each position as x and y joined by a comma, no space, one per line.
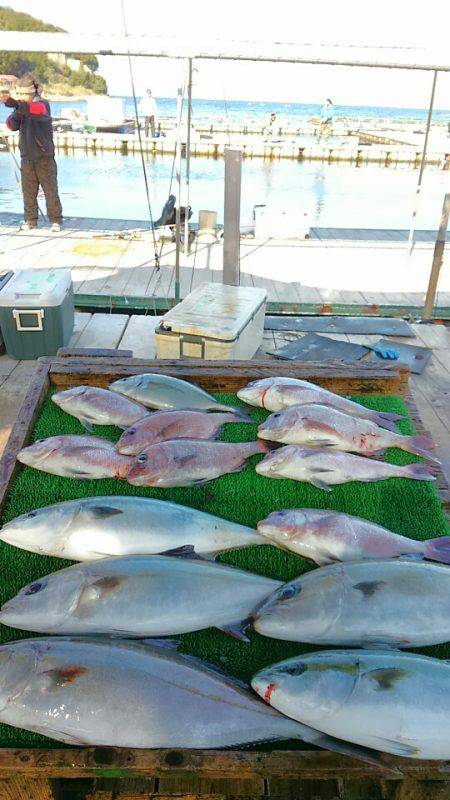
384,23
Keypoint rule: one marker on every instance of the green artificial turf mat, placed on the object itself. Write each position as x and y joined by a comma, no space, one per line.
409,507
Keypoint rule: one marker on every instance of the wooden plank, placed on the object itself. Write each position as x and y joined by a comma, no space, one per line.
80,322
139,336
240,765
221,376
22,428
92,352
26,788
103,330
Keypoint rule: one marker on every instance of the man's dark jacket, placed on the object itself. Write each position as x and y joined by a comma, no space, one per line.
34,123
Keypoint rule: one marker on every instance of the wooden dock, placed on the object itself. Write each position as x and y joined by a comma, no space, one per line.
336,271
348,149
430,391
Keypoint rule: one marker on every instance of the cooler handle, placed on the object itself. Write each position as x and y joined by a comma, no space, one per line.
189,339
38,312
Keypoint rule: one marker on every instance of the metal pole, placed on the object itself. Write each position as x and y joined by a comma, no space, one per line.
422,166
232,216
438,258
188,157
177,207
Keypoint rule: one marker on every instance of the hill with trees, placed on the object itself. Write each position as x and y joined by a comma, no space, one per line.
59,75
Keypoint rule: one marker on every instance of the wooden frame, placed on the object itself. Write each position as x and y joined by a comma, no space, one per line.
236,767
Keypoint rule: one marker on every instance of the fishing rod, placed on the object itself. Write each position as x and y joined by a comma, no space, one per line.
144,169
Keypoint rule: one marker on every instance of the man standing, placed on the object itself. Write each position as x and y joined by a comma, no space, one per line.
147,109
32,118
326,120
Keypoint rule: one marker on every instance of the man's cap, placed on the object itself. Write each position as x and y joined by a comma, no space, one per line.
28,84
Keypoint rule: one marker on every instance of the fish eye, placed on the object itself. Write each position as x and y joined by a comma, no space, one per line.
34,588
275,415
142,458
32,514
295,669
288,592
131,431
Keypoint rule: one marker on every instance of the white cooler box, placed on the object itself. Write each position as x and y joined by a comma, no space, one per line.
214,322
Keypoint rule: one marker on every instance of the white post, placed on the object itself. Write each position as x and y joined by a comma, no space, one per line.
188,157
232,217
177,208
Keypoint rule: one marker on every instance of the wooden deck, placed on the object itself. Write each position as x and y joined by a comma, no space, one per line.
430,391
112,259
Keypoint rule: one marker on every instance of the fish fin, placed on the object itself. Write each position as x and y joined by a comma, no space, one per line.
103,512
207,665
313,425
438,549
162,644
86,424
76,473
325,443
184,551
398,748
347,748
319,484
374,453
236,630
266,445
420,446
420,472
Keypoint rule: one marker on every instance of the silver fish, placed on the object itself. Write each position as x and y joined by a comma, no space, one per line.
190,462
138,596
98,527
323,426
95,406
394,603
162,426
326,468
277,393
326,536
84,457
395,702
80,692
166,392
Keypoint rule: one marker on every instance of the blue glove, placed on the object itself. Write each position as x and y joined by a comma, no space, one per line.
384,352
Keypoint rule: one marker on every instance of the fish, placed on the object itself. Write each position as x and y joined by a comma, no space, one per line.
323,426
168,393
326,468
80,692
84,457
161,426
189,462
98,527
395,702
326,536
275,393
94,406
139,596
392,603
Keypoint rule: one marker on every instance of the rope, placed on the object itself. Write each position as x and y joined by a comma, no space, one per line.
144,169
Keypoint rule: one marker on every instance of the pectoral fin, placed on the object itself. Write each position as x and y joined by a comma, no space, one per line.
86,424
353,750
319,484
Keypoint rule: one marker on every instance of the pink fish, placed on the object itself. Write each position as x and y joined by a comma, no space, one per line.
323,426
188,462
276,393
325,468
327,536
83,457
162,426
95,406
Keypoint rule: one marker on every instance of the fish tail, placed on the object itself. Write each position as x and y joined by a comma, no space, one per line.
419,472
265,446
438,549
420,446
239,412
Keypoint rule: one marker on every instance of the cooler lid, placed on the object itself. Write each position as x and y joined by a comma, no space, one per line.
215,311
36,288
